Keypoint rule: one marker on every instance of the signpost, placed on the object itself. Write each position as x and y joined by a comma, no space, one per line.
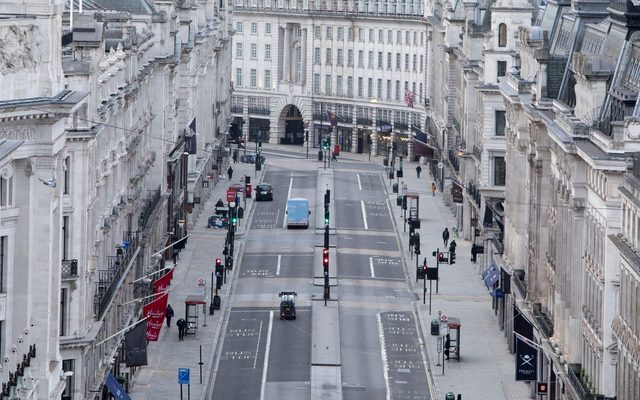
231,195
184,378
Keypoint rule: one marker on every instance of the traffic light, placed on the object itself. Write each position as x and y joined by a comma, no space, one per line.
452,257
259,147
326,216
229,263
325,258
218,266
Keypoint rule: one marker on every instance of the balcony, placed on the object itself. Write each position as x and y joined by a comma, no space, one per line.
69,269
236,109
477,152
259,110
364,121
149,205
544,321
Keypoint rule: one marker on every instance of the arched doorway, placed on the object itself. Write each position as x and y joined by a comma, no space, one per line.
291,119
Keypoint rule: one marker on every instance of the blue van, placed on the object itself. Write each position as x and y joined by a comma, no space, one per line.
298,213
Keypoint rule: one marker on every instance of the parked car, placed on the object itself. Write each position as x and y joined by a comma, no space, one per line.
250,158
264,191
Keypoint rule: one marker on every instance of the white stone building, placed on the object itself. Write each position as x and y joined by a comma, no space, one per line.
296,61
103,156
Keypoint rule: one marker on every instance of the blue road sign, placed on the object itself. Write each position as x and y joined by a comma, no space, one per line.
183,376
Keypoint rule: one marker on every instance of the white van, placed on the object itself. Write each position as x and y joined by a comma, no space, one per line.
298,213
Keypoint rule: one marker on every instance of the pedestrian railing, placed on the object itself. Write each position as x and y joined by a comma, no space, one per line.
69,269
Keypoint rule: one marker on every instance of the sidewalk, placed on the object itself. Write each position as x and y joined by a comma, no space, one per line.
159,379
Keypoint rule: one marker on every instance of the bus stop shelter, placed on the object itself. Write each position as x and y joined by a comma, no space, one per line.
191,312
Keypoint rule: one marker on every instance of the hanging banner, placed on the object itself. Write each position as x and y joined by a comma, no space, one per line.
526,361
456,192
154,312
135,345
115,388
161,284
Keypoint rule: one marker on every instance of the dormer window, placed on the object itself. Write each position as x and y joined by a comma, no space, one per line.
502,35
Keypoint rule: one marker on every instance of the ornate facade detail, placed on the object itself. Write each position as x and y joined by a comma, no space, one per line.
20,48
18,132
6,172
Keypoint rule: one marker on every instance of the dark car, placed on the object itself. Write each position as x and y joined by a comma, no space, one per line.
264,191
250,158
288,305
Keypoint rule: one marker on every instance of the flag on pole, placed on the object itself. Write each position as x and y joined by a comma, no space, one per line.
408,97
115,388
135,345
526,360
333,119
161,284
154,312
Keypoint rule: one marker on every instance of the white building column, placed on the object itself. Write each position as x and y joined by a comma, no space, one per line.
303,62
286,60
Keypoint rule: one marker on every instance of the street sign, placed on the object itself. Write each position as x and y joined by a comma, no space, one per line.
443,317
201,281
440,165
232,204
231,195
183,376
439,344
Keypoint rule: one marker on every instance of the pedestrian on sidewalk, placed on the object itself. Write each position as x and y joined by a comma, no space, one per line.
445,236
474,252
447,345
169,314
418,170
182,328
235,156
433,188
176,256
452,246
230,172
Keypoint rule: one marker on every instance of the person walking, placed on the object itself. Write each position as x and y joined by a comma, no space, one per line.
169,314
230,172
445,236
235,156
447,345
418,171
182,328
433,188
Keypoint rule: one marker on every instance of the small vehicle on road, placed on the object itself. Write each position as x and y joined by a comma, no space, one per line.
288,305
298,213
264,191
250,158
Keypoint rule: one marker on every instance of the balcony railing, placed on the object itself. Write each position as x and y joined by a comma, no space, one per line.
149,205
259,110
69,269
364,121
236,109
477,152
543,320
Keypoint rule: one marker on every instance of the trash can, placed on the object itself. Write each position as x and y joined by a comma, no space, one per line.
394,188
248,190
450,396
435,327
400,173
258,166
391,174
319,155
240,212
216,302
385,162
399,200
247,179
420,275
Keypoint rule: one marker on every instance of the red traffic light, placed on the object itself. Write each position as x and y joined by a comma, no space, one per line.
325,257
543,388
218,262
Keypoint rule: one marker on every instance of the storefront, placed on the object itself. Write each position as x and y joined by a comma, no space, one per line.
345,139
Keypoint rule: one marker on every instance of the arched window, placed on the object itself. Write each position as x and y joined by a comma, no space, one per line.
502,35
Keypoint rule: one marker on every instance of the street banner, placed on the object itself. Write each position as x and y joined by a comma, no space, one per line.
161,284
333,118
135,345
456,192
408,98
154,312
526,361
170,273
115,388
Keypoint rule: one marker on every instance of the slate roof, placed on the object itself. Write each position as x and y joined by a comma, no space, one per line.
135,7
7,146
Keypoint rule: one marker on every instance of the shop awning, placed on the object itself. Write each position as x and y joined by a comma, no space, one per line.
491,276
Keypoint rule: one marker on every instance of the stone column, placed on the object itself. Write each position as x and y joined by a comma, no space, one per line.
303,62
410,142
286,61
374,135
354,137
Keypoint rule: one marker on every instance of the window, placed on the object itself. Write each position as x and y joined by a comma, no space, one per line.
254,78
361,34
327,84
399,37
421,63
254,51
65,237
397,90
4,261
316,83
316,32
421,38
68,365
329,32
316,55
502,35
350,86
397,61
339,85
340,60
63,312
381,36
328,57
239,50
66,165
267,29
389,36
407,37
500,123
350,34
254,28
267,79
360,58
371,35
406,62
380,63
340,33
415,38
350,58
499,171
298,67
267,52
389,62
415,62
239,77
370,88
360,87
380,95
239,27
502,68
370,59
388,89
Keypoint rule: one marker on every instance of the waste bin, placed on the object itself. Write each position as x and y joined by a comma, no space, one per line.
391,174
400,173
320,155
435,327
420,275
240,212
394,188
247,179
385,162
399,200
248,190
450,396
216,302
258,166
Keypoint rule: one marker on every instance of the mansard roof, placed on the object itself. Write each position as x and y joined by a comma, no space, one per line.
135,7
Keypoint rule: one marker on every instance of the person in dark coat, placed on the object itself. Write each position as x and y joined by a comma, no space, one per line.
235,156
230,172
418,170
447,345
169,314
445,236
182,328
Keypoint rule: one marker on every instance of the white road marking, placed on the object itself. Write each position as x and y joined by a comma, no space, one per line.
266,356
384,358
278,267
364,215
284,220
373,274
359,183
255,360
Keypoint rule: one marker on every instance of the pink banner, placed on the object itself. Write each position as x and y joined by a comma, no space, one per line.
161,284
154,312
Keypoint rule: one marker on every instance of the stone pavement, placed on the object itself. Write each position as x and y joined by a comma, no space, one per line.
159,380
